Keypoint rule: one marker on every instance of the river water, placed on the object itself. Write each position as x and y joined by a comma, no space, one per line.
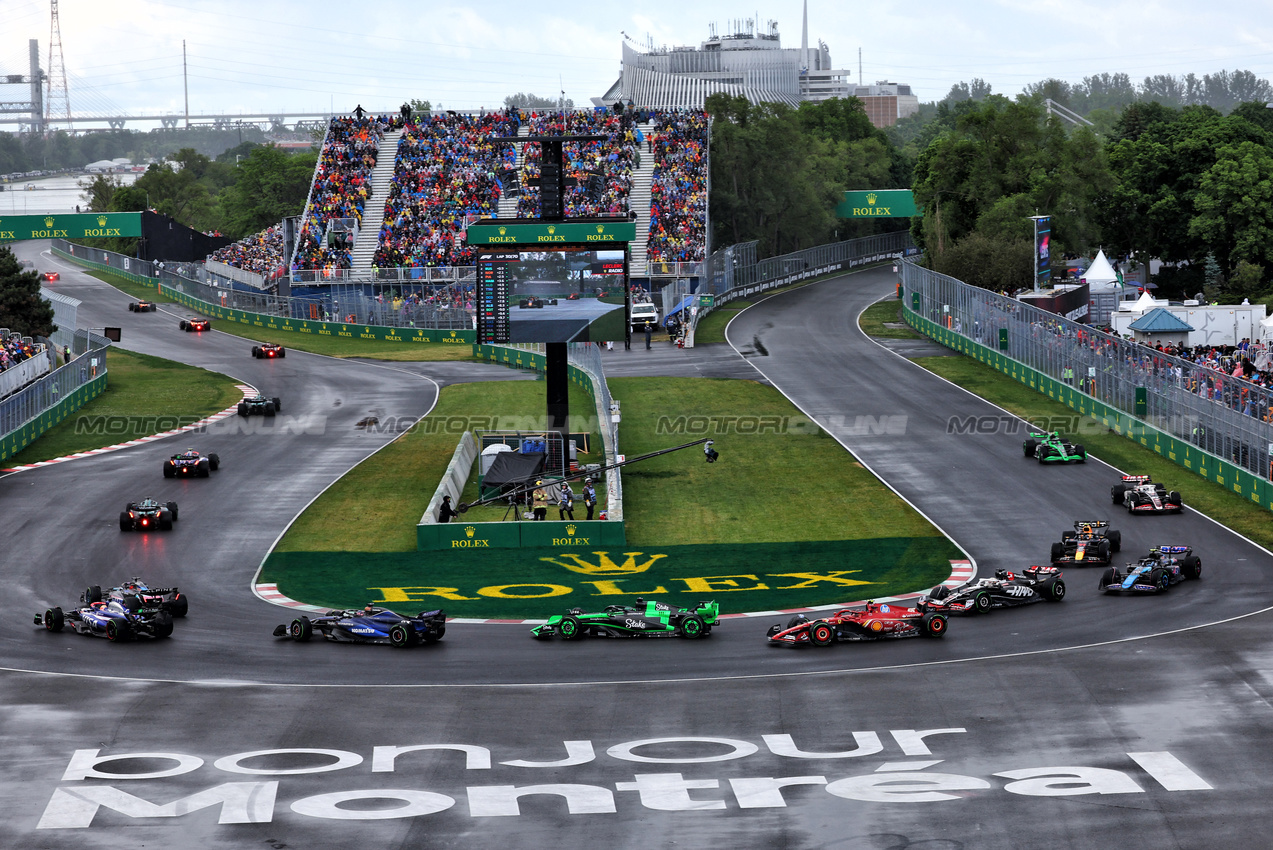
51,194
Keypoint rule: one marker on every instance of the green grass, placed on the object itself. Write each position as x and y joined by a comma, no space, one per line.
371,349
376,506
138,386
1198,493
712,327
890,310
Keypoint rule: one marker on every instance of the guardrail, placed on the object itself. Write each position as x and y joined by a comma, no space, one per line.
31,411
1208,422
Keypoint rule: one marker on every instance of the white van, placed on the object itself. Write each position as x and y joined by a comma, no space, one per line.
644,314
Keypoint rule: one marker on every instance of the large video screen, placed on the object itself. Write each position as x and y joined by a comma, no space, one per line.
560,295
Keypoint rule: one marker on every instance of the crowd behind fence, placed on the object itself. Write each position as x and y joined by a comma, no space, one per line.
42,395
1224,415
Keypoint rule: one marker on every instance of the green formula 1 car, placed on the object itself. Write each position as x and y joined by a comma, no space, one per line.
1050,448
645,619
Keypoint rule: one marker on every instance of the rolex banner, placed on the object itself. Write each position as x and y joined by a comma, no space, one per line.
69,226
878,203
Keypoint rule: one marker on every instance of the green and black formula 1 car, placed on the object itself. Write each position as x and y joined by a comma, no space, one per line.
1048,447
645,619
259,404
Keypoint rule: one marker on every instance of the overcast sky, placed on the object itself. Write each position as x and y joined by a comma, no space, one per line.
272,56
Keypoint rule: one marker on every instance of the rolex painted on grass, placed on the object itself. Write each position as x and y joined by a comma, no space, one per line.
537,583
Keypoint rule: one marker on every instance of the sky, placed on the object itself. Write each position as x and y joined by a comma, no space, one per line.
125,56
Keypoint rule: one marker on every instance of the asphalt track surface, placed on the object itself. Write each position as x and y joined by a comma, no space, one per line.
221,686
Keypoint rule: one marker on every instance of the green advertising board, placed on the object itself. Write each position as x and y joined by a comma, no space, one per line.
878,203
14,228
573,233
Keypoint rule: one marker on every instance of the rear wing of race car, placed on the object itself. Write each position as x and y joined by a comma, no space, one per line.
1094,523
1173,550
1137,479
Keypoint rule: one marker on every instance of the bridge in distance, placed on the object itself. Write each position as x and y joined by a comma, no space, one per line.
298,120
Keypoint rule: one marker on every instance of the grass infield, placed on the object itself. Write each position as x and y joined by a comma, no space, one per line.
143,395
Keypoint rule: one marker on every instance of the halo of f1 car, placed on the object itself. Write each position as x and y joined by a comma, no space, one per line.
148,515
1140,495
118,619
1005,590
267,350
1155,573
142,306
1092,542
191,464
368,625
260,405
151,598
645,619
1049,447
873,621
195,323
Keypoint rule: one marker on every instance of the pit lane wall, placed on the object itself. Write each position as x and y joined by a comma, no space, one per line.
1180,452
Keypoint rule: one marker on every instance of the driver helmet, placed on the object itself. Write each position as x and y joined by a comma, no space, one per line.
640,600
368,608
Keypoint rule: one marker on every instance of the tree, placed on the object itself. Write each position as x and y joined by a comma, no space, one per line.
23,310
271,185
1234,206
1247,281
530,101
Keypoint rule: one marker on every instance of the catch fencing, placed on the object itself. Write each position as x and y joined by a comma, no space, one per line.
1206,420
31,411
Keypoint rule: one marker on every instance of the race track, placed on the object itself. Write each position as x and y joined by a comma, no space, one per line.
1170,730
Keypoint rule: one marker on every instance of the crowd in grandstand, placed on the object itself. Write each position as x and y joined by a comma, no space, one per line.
261,252
342,184
601,170
678,189
13,351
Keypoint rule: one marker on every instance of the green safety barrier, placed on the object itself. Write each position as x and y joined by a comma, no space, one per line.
1180,452
524,534
16,441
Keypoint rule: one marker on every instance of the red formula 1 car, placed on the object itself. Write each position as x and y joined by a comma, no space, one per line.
267,350
195,324
142,306
51,276
873,621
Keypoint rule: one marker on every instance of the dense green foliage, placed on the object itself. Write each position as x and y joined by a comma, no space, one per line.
23,309
33,151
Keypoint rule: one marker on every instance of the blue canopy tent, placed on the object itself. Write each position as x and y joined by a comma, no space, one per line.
686,303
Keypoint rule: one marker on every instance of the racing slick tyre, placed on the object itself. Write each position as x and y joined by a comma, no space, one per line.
282,352
1115,539
935,625
214,460
54,619
243,408
1056,592
1028,447
1103,549
163,625
399,635
172,509
982,604
184,325
169,470
1173,498
1058,550
1160,580
1191,567
256,352
1107,578
132,306
119,631
205,468
1116,493
269,408
125,522
301,629
93,594
165,521
1045,454
131,602
278,405
691,627
821,633
1082,453
179,606
570,628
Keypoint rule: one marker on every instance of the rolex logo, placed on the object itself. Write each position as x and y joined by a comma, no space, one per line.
469,531
870,199
604,566
552,228
452,334
503,230
101,221
601,228
570,529
48,221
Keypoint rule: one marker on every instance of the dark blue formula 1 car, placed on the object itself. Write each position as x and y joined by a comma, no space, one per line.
1163,567
260,405
191,464
148,515
369,625
118,620
168,599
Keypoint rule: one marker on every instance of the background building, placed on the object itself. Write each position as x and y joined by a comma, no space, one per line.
886,102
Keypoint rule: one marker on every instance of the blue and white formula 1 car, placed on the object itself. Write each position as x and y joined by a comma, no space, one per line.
1164,566
369,625
118,620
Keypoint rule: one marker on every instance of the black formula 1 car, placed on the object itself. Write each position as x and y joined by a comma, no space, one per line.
194,323
1050,447
142,306
191,464
645,619
1005,590
168,599
268,350
369,625
1091,543
1140,495
148,515
118,620
873,621
260,405
1155,573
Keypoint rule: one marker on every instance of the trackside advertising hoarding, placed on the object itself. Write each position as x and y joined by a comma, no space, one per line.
14,228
